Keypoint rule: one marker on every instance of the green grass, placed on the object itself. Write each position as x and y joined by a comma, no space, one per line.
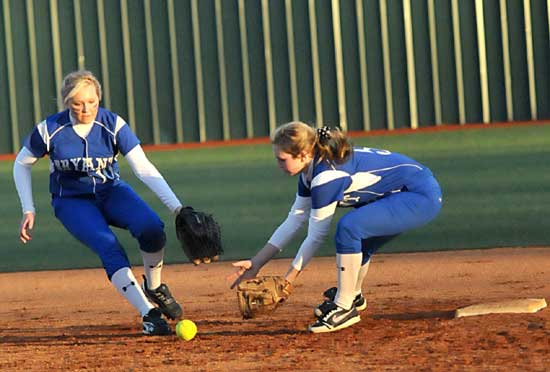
496,185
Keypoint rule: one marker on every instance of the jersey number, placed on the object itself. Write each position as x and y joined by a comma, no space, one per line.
374,151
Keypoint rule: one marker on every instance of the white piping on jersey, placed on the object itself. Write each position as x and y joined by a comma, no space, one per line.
374,193
87,169
377,193
396,166
119,124
63,126
46,137
60,185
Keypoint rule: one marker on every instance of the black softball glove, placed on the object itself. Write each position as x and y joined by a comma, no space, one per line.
199,235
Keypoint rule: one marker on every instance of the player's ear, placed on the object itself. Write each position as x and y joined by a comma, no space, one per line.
304,155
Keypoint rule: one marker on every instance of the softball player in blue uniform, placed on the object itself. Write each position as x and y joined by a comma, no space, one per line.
88,196
389,193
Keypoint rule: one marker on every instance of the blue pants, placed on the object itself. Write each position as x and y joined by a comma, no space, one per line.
367,228
88,218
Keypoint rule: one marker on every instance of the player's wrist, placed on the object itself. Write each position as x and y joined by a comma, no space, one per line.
292,274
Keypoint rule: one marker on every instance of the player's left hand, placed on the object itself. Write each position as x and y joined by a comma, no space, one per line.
244,271
199,235
27,223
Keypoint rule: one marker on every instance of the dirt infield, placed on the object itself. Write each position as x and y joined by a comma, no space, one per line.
74,320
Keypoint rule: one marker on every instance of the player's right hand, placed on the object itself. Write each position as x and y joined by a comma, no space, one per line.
244,271
27,223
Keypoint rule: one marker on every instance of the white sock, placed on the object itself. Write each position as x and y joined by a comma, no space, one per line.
348,266
361,277
152,267
127,285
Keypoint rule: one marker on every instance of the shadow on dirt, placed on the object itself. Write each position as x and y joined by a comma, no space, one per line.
71,335
256,332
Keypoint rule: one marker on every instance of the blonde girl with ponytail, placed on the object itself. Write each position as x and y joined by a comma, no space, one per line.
387,193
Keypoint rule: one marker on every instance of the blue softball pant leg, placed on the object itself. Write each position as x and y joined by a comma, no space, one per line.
124,208
367,228
85,221
88,220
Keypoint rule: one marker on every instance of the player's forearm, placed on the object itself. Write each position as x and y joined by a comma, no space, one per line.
296,218
305,253
316,235
150,176
23,180
264,256
161,189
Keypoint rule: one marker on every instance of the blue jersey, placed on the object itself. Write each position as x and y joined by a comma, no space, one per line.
369,174
80,166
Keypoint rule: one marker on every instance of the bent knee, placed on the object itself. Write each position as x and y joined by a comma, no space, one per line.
152,239
347,239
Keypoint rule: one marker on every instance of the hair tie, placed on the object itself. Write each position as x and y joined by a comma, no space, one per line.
324,133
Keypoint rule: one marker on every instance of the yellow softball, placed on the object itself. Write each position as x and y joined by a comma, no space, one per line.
186,329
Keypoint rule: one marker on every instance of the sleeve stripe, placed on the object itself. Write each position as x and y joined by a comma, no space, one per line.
327,176
119,124
323,213
362,180
42,129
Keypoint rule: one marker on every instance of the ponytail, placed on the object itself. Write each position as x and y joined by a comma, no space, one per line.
332,145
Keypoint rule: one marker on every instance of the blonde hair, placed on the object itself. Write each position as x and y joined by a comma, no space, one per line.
296,137
75,81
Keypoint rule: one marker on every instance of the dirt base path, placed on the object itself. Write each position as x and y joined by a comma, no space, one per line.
74,320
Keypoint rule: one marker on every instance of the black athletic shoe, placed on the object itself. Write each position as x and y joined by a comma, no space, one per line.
359,302
335,318
154,324
164,299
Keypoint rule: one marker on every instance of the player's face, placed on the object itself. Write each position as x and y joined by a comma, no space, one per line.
84,104
290,164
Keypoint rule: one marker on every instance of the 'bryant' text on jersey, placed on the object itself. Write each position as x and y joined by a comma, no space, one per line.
102,167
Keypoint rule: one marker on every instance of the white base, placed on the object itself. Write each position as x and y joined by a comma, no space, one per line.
527,305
